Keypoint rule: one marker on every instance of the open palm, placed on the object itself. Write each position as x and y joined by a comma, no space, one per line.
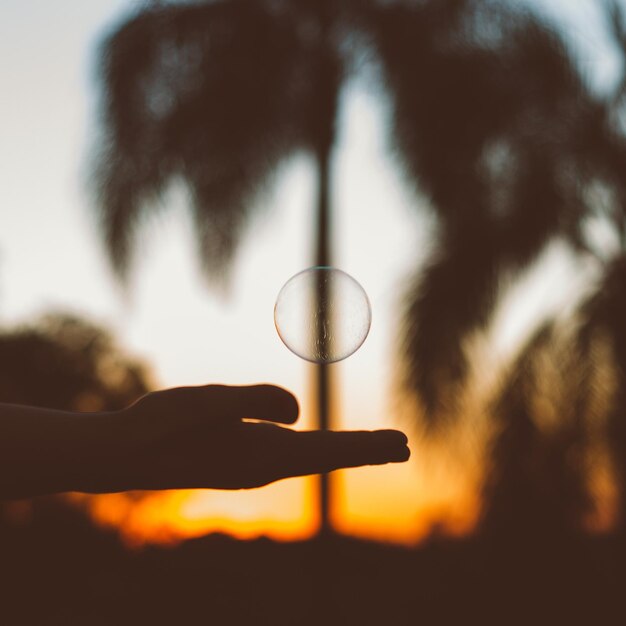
204,437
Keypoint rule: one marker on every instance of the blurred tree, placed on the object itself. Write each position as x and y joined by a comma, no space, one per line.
537,483
499,130
66,363
220,94
514,150
602,318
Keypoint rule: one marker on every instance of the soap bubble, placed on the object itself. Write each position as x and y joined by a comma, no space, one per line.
322,314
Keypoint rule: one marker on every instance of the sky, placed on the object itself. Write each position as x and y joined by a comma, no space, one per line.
51,258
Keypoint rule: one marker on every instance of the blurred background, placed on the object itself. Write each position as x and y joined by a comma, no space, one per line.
163,170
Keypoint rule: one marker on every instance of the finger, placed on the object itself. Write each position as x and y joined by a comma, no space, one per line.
317,452
261,402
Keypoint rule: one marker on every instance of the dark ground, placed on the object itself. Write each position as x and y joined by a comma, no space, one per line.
59,570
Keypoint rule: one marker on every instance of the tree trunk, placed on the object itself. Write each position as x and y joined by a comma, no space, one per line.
323,374
328,80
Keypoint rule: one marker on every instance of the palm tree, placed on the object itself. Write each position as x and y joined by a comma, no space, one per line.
514,150
219,94
496,126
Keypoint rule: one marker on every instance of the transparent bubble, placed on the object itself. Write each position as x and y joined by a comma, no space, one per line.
322,314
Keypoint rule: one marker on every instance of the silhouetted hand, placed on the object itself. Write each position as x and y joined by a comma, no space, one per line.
199,437
177,439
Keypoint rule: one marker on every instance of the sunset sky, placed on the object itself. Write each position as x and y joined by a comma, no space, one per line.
52,259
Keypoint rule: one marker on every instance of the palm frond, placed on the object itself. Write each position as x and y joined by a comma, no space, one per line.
537,479
217,95
448,299
491,129
603,315
508,486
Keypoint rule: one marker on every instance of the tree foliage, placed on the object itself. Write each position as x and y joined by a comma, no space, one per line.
64,362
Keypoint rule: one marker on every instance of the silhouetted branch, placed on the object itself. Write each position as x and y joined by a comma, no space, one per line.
215,94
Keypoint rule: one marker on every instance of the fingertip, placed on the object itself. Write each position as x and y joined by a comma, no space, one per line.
392,446
289,409
269,403
403,454
393,436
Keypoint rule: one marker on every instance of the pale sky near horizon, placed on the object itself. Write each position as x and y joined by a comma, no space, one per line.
52,259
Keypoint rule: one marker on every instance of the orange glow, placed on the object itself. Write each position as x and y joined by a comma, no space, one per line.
377,503
168,517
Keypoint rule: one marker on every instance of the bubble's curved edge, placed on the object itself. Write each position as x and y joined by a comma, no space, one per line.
317,361
369,312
